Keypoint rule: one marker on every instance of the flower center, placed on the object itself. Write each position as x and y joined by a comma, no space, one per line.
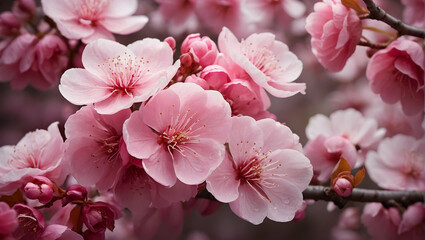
262,58
90,10
413,164
259,173
173,139
124,72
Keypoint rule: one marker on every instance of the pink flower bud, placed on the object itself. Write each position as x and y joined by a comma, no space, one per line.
203,49
74,193
186,60
32,191
343,187
100,215
24,8
46,193
40,188
8,24
197,80
8,222
300,214
172,42
216,76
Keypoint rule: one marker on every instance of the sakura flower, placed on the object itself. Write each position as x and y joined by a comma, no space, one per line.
179,134
31,223
27,60
338,136
178,15
138,192
98,217
38,153
8,223
414,12
160,223
60,232
335,31
229,13
396,73
116,76
265,172
282,10
95,149
268,62
389,224
90,20
398,164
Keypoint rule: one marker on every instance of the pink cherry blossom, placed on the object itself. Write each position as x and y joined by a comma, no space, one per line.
138,192
268,62
339,136
229,13
244,96
335,31
116,76
31,222
38,153
160,223
99,216
95,149
60,232
392,118
179,134
412,223
282,10
396,73
203,49
90,20
389,224
414,12
264,173
36,62
24,8
398,164
9,222
177,15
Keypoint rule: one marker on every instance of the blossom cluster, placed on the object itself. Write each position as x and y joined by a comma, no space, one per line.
166,126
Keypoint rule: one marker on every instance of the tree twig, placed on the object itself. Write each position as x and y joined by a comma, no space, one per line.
388,198
403,29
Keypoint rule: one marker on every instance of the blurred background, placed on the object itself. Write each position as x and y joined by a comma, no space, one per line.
25,110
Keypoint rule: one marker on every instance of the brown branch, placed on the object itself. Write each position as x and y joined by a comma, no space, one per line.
371,45
386,197
403,29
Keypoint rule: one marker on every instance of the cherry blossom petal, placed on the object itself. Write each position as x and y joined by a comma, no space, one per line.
160,167
80,87
124,25
222,182
141,143
197,160
249,206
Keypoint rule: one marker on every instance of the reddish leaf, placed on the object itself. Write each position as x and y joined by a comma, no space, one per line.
76,219
354,4
359,177
342,167
13,199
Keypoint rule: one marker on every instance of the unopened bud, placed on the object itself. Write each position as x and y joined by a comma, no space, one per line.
74,193
40,188
343,187
172,42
